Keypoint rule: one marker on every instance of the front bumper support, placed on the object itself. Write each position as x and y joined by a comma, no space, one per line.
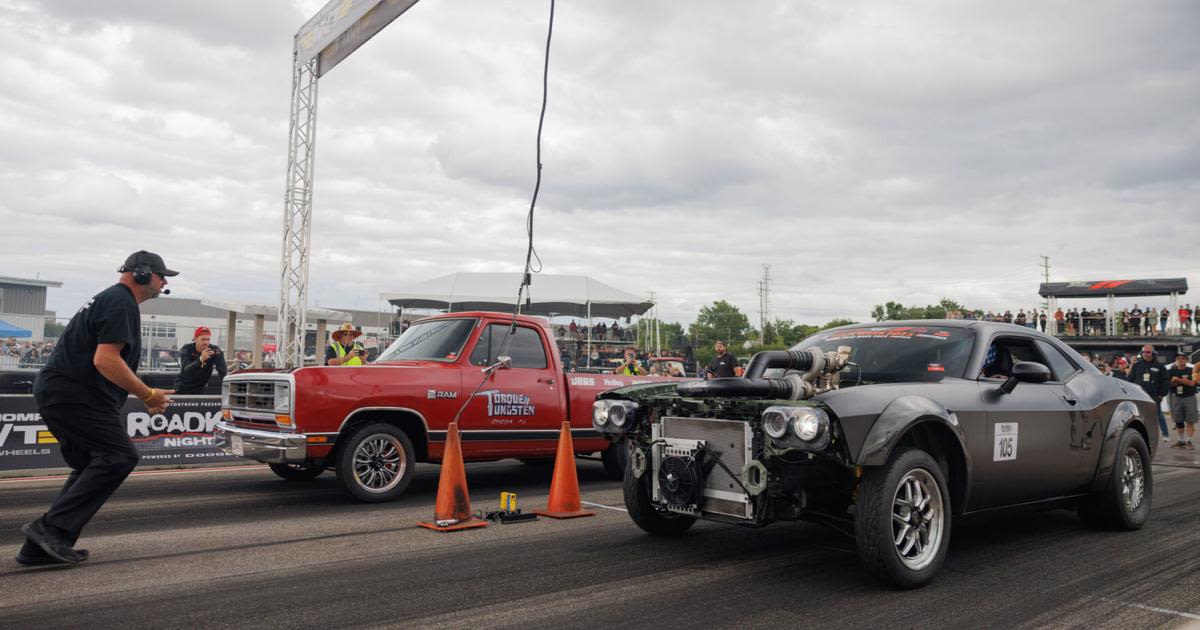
264,446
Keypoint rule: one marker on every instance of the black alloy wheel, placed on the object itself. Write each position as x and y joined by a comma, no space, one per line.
1124,502
902,518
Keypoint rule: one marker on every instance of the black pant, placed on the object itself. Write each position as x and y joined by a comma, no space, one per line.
97,448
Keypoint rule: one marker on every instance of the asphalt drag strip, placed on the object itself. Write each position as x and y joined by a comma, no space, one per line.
248,549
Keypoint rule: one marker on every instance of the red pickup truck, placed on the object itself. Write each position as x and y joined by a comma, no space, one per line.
373,423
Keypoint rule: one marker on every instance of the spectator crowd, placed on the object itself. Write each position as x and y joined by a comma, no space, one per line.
26,354
1134,321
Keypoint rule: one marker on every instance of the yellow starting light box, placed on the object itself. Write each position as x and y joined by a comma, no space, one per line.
508,501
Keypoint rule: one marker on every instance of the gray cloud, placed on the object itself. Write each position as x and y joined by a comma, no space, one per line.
868,152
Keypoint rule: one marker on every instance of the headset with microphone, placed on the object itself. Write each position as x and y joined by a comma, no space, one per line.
142,275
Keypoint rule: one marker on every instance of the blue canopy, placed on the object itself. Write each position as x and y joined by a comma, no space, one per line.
8,330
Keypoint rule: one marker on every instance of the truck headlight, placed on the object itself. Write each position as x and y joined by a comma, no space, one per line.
613,416
225,394
283,397
802,427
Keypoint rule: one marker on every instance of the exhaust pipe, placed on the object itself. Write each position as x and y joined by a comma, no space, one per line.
753,385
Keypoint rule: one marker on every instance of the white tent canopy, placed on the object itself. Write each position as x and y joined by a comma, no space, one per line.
574,296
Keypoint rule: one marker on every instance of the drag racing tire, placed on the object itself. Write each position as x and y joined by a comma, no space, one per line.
641,509
615,458
902,518
376,462
297,472
1124,502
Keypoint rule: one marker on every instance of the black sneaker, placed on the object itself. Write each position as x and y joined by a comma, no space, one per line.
53,545
1179,445
32,555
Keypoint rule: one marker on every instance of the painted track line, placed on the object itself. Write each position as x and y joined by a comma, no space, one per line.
147,473
1165,611
601,505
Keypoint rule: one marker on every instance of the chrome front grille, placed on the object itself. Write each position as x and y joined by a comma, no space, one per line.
252,395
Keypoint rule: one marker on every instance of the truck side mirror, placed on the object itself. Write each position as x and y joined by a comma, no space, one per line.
504,362
1025,372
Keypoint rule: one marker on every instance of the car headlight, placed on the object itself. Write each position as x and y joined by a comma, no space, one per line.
225,395
283,397
614,416
807,427
802,427
775,423
600,413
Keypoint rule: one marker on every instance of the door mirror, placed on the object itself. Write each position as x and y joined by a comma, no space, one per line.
503,362
1025,372
1031,372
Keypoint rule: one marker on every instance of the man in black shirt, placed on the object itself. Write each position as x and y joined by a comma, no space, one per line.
197,360
79,395
722,365
1183,402
1148,374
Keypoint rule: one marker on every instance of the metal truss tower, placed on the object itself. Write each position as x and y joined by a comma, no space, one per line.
764,304
297,216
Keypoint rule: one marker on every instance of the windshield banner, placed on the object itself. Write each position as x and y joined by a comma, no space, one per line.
181,435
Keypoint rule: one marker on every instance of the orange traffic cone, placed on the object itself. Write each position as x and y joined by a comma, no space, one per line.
564,487
453,509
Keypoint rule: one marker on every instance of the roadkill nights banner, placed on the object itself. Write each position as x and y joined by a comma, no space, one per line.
181,435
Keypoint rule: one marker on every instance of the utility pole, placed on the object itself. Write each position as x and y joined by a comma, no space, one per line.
1045,269
764,303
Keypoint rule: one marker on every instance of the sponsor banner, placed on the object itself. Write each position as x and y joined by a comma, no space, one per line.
341,26
180,435
1126,288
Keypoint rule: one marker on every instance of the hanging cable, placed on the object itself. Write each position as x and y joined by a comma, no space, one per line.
530,253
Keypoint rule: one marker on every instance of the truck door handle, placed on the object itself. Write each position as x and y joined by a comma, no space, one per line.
548,381
1070,401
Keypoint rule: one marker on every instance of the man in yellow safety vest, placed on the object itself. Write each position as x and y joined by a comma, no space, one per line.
342,350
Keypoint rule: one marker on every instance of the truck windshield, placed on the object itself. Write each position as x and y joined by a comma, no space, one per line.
436,340
893,354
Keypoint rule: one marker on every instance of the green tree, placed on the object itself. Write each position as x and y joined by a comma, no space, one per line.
674,338
893,311
721,321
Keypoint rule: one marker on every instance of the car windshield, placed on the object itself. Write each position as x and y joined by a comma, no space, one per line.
896,354
436,340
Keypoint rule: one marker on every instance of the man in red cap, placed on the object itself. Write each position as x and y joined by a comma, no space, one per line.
197,360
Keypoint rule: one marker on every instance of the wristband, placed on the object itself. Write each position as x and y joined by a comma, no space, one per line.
150,395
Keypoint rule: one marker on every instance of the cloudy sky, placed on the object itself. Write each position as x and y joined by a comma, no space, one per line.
866,151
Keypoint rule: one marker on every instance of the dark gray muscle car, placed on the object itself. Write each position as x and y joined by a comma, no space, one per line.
889,432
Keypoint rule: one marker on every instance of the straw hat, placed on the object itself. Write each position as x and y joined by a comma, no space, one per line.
347,329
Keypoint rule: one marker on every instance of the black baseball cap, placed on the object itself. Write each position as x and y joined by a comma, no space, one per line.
144,258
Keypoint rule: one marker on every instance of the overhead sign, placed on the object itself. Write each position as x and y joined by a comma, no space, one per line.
341,26
1119,288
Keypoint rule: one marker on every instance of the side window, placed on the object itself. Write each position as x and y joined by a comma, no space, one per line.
524,346
1059,364
1008,352
483,348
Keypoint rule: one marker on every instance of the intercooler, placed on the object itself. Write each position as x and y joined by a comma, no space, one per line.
687,477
